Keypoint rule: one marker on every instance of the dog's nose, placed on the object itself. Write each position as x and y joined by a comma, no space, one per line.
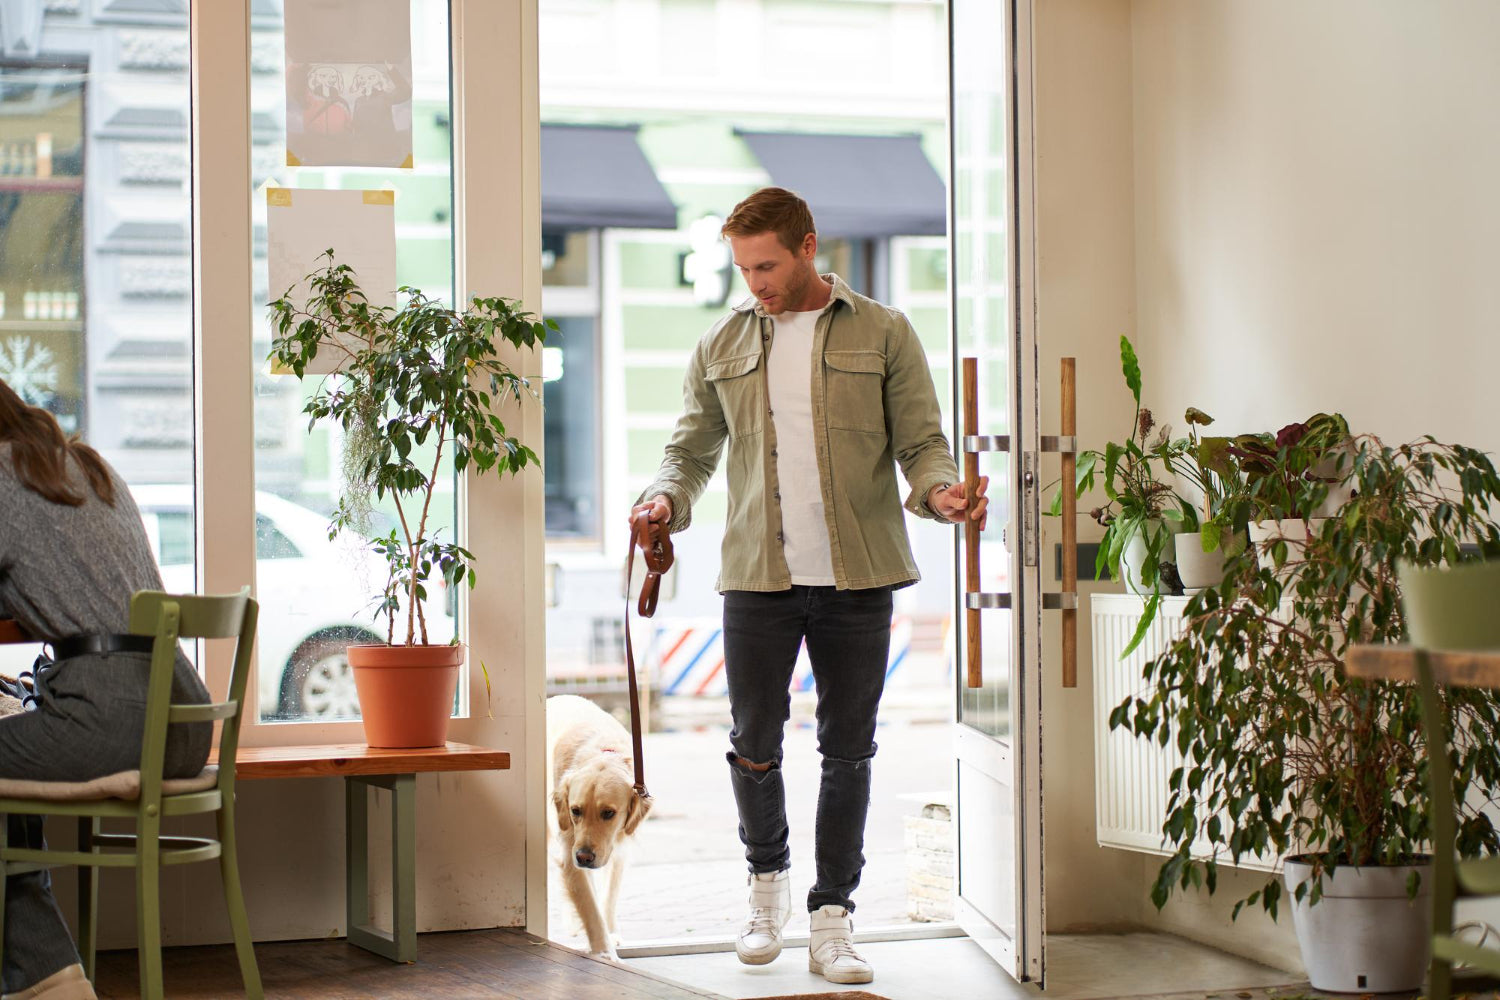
585,858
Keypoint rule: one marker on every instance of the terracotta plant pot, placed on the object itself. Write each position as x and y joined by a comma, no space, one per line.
406,692
1452,607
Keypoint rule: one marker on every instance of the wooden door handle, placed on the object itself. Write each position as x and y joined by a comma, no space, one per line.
971,530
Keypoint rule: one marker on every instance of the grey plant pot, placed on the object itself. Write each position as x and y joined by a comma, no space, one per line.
1452,607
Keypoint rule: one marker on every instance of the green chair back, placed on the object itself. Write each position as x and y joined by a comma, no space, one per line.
169,618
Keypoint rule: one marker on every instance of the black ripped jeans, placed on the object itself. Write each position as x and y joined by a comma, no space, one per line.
848,635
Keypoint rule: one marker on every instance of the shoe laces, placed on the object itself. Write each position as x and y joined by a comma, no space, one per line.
836,949
763,920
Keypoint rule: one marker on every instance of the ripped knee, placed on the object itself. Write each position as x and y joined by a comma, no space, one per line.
750,765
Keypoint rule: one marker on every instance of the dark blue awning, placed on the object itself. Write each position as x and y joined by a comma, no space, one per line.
858,186
595,176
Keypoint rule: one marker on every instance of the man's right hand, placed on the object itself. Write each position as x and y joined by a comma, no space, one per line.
659,508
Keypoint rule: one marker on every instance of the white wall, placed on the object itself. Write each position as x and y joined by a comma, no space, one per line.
1289,207
1316,212
1315,229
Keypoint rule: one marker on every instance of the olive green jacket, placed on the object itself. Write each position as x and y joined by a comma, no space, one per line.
873,407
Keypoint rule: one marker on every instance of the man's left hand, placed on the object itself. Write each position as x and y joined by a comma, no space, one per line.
951,503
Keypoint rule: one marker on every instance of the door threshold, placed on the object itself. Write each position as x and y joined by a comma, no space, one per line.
711,945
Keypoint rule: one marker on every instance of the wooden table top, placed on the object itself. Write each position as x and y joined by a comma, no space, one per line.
356,758
1467,668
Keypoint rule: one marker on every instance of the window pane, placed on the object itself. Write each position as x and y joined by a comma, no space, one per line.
95,266
318,595
571,468
270,543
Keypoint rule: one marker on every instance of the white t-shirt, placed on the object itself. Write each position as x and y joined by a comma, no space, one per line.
789,384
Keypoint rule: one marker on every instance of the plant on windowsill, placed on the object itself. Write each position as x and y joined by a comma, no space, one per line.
1140,505
410,383
1284,755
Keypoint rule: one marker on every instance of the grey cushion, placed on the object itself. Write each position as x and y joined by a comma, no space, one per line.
120,785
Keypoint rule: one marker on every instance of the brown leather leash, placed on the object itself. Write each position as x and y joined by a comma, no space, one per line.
655,543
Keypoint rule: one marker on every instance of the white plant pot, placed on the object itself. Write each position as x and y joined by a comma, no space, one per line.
1198,569
1338,493
1264,534
1134,556
1365,935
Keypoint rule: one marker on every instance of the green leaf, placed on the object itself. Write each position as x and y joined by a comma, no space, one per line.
1143,625
1131,367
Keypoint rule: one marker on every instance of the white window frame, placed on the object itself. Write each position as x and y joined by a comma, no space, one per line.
496,138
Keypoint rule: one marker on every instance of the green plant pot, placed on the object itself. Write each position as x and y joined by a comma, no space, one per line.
1452,607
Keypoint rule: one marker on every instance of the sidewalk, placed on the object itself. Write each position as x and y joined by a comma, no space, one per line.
687,876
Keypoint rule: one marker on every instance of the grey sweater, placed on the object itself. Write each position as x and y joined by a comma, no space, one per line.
71,570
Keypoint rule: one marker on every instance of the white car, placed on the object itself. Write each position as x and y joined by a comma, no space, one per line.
315,598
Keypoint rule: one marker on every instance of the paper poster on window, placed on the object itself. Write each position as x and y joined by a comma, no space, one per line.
358,226
348,83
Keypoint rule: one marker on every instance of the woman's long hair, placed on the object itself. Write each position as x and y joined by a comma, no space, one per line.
39,451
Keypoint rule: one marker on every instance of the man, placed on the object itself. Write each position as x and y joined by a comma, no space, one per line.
819,393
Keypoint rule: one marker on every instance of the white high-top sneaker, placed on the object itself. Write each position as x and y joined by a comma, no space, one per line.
770,908
830,952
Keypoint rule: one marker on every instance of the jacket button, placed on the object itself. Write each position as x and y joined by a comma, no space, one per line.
778,537
773,452
765,336
777,494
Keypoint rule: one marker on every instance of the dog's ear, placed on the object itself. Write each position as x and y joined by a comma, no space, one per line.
561,804
639,806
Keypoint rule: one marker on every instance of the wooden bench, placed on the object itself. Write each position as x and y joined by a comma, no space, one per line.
364,768
1458,668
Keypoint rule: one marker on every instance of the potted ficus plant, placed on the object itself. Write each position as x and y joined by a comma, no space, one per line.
411,385
1140,504
1286,756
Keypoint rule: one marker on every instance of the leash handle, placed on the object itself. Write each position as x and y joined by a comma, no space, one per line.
656,547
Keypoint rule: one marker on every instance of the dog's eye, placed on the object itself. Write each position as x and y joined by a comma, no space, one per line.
577,811
606,814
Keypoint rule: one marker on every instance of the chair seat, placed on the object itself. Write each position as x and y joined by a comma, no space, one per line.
120,785
1480,876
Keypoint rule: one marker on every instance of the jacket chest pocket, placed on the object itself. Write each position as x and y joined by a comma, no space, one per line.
854,384
741,392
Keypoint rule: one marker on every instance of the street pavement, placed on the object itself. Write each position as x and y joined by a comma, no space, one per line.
686,878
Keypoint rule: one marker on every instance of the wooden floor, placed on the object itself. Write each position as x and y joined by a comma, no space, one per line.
501,964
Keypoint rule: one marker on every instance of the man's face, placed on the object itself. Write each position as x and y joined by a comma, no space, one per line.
780,278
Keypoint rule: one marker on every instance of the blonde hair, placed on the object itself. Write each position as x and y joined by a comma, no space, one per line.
772,210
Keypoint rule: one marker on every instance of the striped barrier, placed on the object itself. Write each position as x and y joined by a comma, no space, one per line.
687,657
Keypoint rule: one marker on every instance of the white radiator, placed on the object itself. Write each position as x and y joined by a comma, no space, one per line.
1131,772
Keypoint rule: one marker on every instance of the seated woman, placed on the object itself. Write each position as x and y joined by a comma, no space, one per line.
72,552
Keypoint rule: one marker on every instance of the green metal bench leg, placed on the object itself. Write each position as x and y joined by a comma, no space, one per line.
88,897
400,943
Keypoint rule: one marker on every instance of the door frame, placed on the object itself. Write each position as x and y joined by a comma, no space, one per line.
1019,762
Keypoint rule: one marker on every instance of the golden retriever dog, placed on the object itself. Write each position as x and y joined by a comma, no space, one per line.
592,766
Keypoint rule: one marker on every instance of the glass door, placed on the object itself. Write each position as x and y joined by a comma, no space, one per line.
998,744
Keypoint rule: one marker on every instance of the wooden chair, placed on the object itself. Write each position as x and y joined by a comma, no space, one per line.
1453,879
144,797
